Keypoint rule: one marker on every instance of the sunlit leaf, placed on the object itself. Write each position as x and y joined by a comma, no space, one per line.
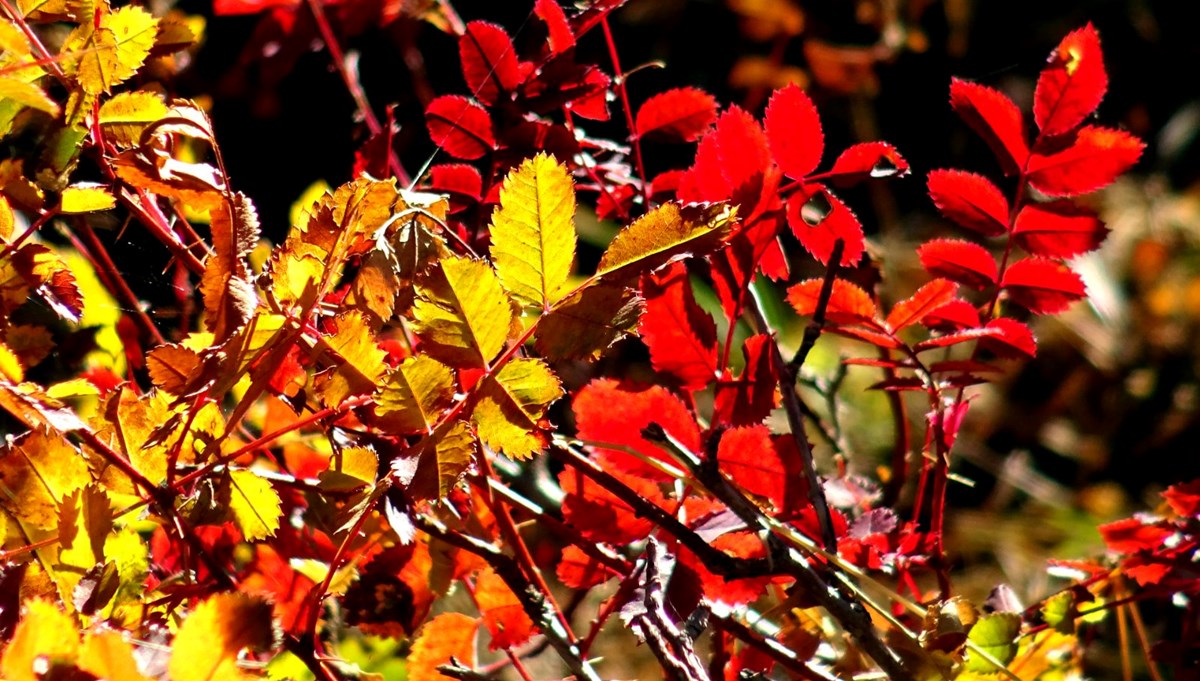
460,126
662,236
489,61
682,337
47,636
448,636
995,118
586,323
681,114
502,612
37,471
126,115
461,313
962,261
1091,159
357,360
254,504
108,655
925,300
970,201
794,130
995,634
1072,84
1042,286
116,49
86,198
212,636
613,413
414,395
512,404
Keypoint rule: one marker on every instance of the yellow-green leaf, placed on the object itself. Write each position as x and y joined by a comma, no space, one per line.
414,395
86,198
664,235
254,504
461,313
511,406
349,469
36,472
358,363
208,642
995,634
125,116
46,636
112,52
27,95
533,231
442,458
588,322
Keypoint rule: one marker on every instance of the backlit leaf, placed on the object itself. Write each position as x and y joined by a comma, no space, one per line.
662,236
598,514
46,636
170,366
794,130
414,395
848,304
729,156
586,323
461,312
86,198
254,504
19,93
511,406
995,634
129,426
1072,84
489,61
358,365
460,126
1093,159
750,398
85,520
1042,286
1060,229
970,201
679,114
37,470
116,49
681,336
995,118
819,220
763,467
211,637
533,231
867,161
962,261
108,655
561,38
10,365
449,635
229,295
926,299
1014,339
502,612
125,115
609,412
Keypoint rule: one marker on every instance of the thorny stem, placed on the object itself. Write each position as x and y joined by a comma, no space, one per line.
622,91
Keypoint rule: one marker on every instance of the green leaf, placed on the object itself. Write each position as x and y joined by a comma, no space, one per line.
995,634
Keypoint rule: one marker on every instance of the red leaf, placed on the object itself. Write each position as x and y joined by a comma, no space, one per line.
593,105
953,316
1015,340
734,266
1092,160
729,155
1131,535
995,118
969,200
763,467
681,114
1058,230
819,219
1042,286
502,611
489,62
681,336
578,570
964,336
561,38
610,412
967,263
456,178
598,514
774,262
848,304
1184,498
731,593
869,160
1071,87
794,130
926,299
749,399
460,126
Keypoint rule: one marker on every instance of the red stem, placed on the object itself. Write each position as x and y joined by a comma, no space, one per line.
634,138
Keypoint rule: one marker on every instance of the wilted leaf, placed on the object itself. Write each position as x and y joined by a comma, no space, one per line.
229,295
533,231
212,636
461,313
511,406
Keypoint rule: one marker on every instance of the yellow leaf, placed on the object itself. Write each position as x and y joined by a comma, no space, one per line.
36,472
350,468
86,198
14,91
662,236
13,43
125,116
357,361
588,322
10,365
208,642
107,655
7,220
131,554
30,405
414,395
170,366
533,231
129,425
115,50
46,636
254,503
461,313
441,461
84,521
304,206
512,403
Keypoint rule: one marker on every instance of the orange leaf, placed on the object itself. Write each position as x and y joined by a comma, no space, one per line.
449,635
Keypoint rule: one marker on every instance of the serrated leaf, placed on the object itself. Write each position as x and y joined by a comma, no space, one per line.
358,361
794,131
116,49
448,636
108,655
503,614
1059,229
85,520
443,457
819,219
867,161
26,95
848,304
86,198
681,336
662,236
1071,86
254,504
969,200
925,300
678,114
995,118
130,425
414,395
460,126
962,261
126,115
586,323
170,366
511,406
1091,159
995,634
37,470
461,312
533,231
729,156
1042,286
610,412
489,62
1013,339
46,636
211,637
229,295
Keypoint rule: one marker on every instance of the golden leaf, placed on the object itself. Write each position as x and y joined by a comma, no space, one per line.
36,471
107,655
126,115
14,92
414,395
84,521
533,231
114,51
461,313
86,198
443,457
358,361
45,636
210,639
128,425
229,295
170,367
662,236
449,635
511,405
10,364
254,504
